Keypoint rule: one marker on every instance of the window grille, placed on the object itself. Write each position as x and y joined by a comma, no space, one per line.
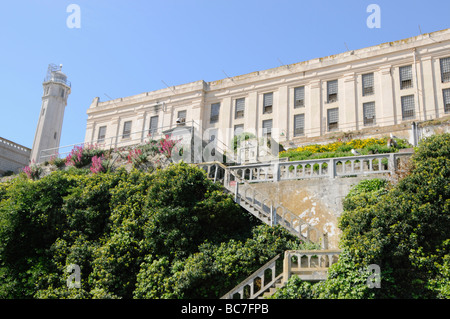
445,69
267,128
240,107
333,119
406,81
126,129
446,93
408,107
101,134
268,103
181,118
299,124
367,83
153,125
332,91
369,113
215,109
299,97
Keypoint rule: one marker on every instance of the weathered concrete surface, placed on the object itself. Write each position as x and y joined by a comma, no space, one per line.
318,201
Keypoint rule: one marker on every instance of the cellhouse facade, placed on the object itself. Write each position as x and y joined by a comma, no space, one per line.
374,89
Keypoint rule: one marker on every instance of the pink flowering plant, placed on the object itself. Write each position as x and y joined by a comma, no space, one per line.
81,156
137,157
97,164
167,146
32,171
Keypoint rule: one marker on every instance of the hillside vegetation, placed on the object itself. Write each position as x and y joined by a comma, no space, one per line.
402,228
167,234
166,231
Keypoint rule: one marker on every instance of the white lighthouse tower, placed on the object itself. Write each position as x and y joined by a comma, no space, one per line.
54,101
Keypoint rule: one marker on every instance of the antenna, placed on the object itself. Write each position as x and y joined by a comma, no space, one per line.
420,30
282,64
168,86
227,76
111,99
346,46
108,96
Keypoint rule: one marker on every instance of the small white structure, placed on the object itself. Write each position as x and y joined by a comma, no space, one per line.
54,101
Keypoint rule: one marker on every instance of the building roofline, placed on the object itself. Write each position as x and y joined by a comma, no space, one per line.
14,144
308,65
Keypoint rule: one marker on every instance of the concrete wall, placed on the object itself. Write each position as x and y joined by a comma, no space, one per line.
13,157
318,201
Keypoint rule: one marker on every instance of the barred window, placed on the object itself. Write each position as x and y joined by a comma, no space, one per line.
153,125
126,130
367,84
369,113
299,97
446,93
267,128
406,81
333,119
268,103
181,118
215,109
332,91
299,124
408,107
101,134
445,69
239,108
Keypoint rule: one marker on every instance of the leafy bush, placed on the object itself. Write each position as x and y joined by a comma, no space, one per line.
402,228
167,234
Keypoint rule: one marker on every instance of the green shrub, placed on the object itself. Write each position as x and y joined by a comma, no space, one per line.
402,228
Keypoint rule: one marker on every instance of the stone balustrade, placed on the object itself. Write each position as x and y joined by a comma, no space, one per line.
317,168
308,264
257,283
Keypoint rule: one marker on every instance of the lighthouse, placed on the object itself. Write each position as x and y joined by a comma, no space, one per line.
54,101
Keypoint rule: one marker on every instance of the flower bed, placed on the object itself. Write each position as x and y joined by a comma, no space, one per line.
342,149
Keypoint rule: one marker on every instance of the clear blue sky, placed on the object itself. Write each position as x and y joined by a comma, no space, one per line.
129,47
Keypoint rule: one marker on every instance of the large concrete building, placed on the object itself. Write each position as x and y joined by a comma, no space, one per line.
373,89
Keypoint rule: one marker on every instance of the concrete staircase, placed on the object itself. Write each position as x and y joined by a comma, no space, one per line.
308,265
260,205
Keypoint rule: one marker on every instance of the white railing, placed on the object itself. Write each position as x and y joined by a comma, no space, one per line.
257,283
309,265
191,128
118,141
327,167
